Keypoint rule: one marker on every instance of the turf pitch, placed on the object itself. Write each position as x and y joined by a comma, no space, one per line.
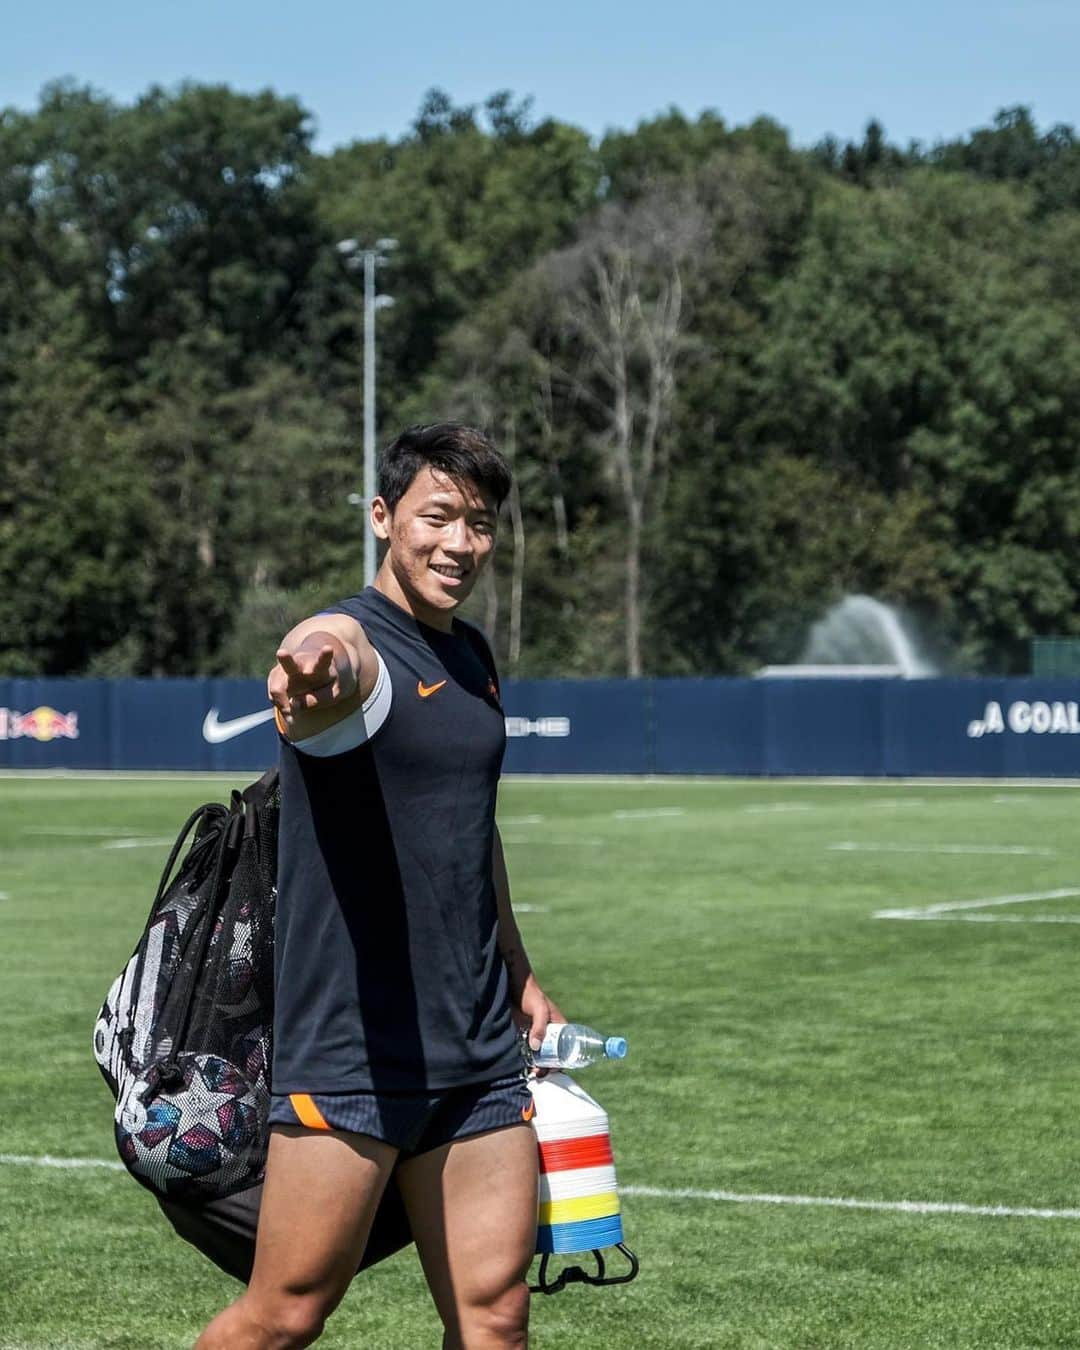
785,1042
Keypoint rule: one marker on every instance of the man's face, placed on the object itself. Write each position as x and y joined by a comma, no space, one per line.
441,534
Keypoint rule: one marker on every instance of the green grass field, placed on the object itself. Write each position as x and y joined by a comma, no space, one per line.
784,1043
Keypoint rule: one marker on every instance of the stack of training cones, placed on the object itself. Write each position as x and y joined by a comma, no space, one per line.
579,1205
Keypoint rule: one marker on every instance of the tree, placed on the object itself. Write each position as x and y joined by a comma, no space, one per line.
185,209
920,349
578,361
734,384
250,498
621,296
473,197
73,505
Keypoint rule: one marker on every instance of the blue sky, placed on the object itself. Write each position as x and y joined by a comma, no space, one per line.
927,70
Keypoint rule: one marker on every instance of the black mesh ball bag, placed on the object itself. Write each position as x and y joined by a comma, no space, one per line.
184,1036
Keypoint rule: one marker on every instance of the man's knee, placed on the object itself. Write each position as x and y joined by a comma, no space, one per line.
281,1322
502,1319
291,1321
302,1317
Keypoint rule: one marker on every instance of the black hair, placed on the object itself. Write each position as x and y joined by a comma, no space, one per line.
464,454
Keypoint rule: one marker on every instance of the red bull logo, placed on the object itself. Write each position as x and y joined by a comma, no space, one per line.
42,724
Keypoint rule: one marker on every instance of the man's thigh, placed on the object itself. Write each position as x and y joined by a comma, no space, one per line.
320,1195
472,1205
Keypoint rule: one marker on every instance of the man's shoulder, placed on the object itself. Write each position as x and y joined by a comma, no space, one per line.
355,606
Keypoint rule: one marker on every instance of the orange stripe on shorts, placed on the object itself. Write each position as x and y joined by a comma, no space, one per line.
307,1112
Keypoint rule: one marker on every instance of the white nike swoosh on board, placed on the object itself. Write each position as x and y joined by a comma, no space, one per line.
215,732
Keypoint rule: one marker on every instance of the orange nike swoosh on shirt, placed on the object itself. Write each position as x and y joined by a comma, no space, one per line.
426,690
527,1112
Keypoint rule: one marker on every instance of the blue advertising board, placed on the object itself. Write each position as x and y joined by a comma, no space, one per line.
842,727
835,727
709,726
577,726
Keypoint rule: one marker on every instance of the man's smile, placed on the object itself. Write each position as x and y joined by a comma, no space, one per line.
449,571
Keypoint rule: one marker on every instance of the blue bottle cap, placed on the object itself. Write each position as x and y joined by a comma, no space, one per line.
615,1047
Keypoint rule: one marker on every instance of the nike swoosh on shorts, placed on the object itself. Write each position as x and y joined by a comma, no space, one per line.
215,732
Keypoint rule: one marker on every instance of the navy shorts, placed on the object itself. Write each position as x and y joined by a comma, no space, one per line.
414,1122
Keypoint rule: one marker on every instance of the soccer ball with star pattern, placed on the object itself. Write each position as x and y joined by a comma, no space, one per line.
201,1133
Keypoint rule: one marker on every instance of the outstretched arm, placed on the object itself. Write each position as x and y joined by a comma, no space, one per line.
532,1008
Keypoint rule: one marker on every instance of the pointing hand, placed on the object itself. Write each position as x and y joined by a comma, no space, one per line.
316,674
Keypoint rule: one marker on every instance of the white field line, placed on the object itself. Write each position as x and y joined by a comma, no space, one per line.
83,831
722,781
653,813
544,840
531,909
844,1202
1005,918
887,803
5,895
1009,850
73,1164
684,1193
137,843
522,820
1009,799
973,911
131,775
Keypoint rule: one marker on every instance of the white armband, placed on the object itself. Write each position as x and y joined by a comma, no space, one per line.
359,726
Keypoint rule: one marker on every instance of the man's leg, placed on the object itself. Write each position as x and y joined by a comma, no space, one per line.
319,1198
472,1207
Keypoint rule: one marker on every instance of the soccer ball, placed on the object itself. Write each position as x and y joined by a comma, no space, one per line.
201,1132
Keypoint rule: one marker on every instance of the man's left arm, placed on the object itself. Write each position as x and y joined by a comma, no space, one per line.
532,1008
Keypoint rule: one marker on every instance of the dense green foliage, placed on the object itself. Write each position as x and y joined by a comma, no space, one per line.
738,380
782,1043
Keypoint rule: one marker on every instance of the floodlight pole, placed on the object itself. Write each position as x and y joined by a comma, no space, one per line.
369,412
369,259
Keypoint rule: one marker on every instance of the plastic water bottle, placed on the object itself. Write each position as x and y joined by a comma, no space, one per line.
569,1045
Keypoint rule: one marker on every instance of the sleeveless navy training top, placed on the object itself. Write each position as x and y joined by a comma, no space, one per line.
387,968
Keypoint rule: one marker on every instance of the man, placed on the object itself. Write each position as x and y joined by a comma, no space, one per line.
400,972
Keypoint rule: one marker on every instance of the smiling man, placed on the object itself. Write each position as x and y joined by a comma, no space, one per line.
400,973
